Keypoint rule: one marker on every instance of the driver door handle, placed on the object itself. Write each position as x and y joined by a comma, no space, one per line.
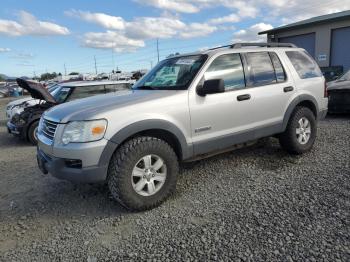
243,97
288,89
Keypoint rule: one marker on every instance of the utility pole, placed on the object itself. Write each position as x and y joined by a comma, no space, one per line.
65,69
158,48
113,59
151,62
95,65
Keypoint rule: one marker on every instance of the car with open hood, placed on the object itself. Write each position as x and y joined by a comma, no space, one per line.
24,122
339,94
17,106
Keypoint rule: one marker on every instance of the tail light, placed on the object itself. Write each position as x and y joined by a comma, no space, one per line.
325,89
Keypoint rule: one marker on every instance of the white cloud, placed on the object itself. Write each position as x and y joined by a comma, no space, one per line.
4,50
181,6
131,35
29,25
169,25
111,40
276,10
232,18
153,27
22,55
244,8
144,28
197,30
104,20
251,34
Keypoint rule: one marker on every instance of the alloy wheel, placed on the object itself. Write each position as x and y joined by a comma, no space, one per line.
303,131
149,175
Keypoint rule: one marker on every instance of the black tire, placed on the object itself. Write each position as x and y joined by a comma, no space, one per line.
289,140
121,166
31,133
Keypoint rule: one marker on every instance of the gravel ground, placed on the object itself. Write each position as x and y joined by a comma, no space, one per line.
253,204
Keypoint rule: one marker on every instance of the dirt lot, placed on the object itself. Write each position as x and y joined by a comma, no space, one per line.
256,204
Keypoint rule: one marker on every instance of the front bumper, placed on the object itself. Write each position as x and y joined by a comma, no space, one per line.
58,168
13,129
94,159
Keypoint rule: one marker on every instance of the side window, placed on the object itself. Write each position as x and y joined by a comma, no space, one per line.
117,87
61,94
260,69
229,68
305,66
110,88
279,71
122,86
86,91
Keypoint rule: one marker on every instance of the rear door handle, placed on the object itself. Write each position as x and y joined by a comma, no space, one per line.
243,97
288,89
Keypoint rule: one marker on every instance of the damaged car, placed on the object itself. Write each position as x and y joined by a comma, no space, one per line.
17,106
339,95
25,122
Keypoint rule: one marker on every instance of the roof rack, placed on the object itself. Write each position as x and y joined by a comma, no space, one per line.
218,47
240,45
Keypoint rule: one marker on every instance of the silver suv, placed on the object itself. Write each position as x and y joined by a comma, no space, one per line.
186,108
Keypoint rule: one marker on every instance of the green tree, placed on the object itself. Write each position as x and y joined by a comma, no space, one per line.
73,73
48,76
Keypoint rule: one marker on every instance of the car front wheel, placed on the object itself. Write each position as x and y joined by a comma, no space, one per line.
142,173
32,136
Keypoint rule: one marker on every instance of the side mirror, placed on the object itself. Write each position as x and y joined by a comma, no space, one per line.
212,86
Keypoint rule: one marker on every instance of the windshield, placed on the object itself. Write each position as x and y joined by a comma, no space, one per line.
60,93
53,88
345,77
172,74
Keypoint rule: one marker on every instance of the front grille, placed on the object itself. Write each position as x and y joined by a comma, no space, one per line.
48,128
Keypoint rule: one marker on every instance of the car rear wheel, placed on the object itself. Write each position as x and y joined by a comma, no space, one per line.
300,133
142,173
32,136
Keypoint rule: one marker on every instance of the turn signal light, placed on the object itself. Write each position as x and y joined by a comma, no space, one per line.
97,130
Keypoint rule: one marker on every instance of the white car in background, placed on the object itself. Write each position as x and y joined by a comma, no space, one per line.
17,106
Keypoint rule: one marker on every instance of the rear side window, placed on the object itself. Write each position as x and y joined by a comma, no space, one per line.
305,66
117,87
279,71
229,68
86,91
261,70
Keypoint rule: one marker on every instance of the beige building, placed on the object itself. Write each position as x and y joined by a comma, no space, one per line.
326,38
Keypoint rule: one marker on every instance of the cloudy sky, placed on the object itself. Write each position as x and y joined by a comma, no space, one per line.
40,35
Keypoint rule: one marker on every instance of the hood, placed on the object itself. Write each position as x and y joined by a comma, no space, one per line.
20,101
338,85
89,108
36,90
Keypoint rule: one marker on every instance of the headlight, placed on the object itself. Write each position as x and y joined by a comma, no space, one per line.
40,126
84,131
